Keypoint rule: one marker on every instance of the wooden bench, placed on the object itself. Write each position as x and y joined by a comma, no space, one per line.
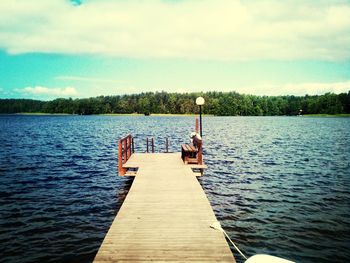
192,153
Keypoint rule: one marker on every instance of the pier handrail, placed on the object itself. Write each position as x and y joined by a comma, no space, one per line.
125,150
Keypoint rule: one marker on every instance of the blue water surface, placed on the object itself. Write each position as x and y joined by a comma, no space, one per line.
278,185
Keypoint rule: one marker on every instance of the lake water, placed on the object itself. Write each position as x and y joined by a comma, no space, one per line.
278,185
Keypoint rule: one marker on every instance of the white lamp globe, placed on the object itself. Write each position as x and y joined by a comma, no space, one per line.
200,101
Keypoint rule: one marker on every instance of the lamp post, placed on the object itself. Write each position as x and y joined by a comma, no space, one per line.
200,101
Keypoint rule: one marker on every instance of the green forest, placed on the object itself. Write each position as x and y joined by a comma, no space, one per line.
216,103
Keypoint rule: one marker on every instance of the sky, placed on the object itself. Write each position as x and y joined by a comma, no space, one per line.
61,48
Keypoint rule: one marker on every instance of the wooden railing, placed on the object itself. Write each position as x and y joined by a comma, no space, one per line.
125,150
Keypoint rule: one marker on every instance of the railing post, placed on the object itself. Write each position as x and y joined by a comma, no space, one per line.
197,125
200,156
200,151
125,150
152,145
147,143
167,144
129,145
120,158
132,145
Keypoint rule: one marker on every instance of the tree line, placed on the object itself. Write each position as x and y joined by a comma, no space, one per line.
217,103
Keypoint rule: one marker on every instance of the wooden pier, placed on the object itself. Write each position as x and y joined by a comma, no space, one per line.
166,215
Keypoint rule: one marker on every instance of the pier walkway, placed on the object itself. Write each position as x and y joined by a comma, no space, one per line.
165,217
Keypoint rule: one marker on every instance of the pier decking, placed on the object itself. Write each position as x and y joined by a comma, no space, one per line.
165,217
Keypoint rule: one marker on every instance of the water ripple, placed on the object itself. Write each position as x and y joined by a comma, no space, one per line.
278,185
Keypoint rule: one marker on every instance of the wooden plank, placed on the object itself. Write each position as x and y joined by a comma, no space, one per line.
130,173
198,166
165,217
133,162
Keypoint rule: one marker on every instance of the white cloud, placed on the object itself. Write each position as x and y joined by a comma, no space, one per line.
298,89
39,90
206,29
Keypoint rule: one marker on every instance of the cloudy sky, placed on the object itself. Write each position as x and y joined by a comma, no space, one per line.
61,48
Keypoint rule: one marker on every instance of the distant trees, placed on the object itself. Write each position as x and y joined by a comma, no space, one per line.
217,103
20,105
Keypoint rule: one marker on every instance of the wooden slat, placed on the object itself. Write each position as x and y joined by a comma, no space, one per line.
165,217
189,148
184,146
193,149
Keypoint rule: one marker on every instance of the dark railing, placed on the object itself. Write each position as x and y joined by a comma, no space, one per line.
148,142
125,150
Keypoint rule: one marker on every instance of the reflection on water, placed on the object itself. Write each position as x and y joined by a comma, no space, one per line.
278,185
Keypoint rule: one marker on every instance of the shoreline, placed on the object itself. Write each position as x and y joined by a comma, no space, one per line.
344,115
106,114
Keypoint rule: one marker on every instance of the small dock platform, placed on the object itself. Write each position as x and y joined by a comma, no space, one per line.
165,217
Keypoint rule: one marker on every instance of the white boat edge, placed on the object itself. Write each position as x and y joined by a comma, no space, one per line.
262,258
